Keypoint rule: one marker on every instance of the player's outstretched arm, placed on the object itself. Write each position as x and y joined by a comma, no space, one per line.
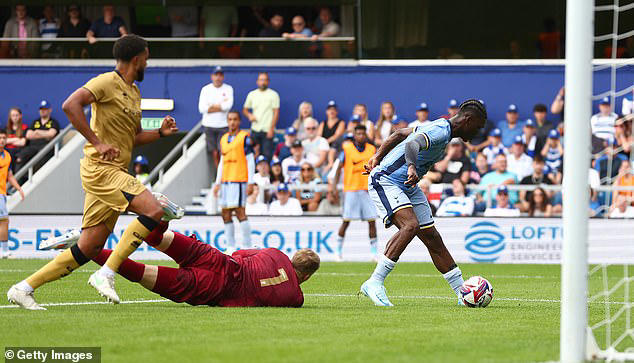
394,139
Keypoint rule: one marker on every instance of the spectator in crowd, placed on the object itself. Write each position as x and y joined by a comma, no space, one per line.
499,176
481,138
625,178
214,103
458,205
557,107
285,205
49,28
184,21
361,110
627,106
305,111
327,27
384,123
254,206
315,146
623,133
529,138
549,42
141,168
480,170
274,29
541,124
21,26
108,26
455,165
502,207
553,153
422,115
333,127
452,109
16,134
262,179
609,162
398,123
335,150
264,104
331,205
218,21
43,130
602,123
277,173
495,146
425,185
510,127
283,149
74,26
308,197
299,29
518,162
621,208
539,204
291,166
538,177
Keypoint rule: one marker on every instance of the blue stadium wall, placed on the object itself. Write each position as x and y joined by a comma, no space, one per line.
406,86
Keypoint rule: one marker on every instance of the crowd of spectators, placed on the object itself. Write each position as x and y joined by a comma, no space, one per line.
474,178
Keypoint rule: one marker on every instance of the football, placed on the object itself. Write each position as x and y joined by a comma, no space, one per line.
476,292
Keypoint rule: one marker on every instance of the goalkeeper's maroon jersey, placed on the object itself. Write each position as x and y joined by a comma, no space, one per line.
265,277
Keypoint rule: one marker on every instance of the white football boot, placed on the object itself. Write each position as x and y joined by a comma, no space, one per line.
62,242
104,286
171,209
23,299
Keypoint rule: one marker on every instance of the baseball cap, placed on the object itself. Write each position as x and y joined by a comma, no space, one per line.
423,107
276,161
455,141
512,108
503,190
553,134
282,187
518,140
348,136
291,131
296,143
260,159
355,118
529,123
396,119
45,104
331,103
605,101
453,103
218,69
141,160
495,132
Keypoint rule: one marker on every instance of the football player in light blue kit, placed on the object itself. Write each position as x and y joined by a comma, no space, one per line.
394,172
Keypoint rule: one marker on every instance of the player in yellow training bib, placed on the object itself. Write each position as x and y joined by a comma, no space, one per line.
115,128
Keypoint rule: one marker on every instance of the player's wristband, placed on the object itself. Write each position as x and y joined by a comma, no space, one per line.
160,133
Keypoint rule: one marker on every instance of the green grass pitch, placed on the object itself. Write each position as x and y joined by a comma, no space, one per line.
426,325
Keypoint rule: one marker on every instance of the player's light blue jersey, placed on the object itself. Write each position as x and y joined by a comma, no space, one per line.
393,167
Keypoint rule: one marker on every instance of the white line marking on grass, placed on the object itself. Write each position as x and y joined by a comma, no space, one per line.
20,270
437,275
91,303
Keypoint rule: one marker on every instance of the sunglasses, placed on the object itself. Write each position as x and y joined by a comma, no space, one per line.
307,169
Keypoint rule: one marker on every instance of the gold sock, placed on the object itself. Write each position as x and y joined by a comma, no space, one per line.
62,265
131,239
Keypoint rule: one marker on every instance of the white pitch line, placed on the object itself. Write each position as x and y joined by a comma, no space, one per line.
91,303
435,275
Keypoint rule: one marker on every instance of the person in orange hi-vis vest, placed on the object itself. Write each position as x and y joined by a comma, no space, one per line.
234,180
6,175
357,202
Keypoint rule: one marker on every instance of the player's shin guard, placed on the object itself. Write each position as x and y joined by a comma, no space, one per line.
230,235
454,278
62,265
132,238
383,268
245,227
131,270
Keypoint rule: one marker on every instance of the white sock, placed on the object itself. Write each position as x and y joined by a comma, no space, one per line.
106,271
245,227
340,243
373,242
454,278
24,286
230,235
383,267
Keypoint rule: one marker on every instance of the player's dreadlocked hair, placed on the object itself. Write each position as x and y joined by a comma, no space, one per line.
475,106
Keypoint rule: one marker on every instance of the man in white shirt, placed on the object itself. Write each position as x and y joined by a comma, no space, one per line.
291,166
422,115
215,101
627,106
621,208
285,205
518,162
262,178
458,204
502,207
602,123
315,147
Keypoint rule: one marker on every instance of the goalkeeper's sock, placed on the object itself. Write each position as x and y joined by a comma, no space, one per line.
131,270
132,238
230,235
62,265
245,227
156,236
382,269
454,278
